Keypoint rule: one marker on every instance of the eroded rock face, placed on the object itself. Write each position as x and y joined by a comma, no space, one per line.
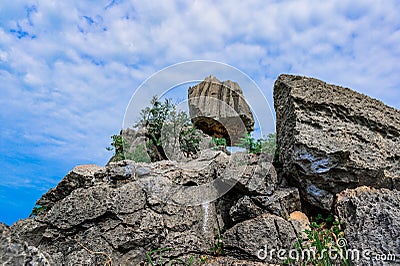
123,215
256,238
332,138
227,261
80,177
219,109
14,251
281,203
122,211
372,223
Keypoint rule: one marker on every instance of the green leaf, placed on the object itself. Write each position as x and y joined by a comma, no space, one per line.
37,209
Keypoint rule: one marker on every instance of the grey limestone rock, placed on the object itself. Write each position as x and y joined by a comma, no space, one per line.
332,138
81,176
219,109
372,224
255,239
119,212
244,209
14,251
253,174
281,203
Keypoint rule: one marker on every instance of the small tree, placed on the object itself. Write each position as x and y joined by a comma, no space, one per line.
167,127
267,145
118,144
219,142
250,144
153,118
138,154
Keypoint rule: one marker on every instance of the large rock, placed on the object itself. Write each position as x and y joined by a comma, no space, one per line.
120,212
82,176
372,224
259,239
332,138
282,202
16,252
253,174
127,212
219,109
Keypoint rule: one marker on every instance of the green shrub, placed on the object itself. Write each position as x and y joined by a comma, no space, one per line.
267,145
37,209
189,141
119,144
153,119
122,150
166,127
179,135
219,142
250,144
139,154
323,236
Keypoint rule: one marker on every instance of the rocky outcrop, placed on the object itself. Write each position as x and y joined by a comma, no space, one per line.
332,138
121,212
82,176
372,224
254,239
17,252
230,209
219,109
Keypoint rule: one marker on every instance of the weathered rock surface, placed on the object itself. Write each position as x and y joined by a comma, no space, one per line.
282,202
332,138
120,212
80,177
372,224
331,141
121,218
256,238
219,109
16,252
227,261
253,174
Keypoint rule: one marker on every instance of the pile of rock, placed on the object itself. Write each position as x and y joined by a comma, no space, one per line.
334,140
126,209
338,152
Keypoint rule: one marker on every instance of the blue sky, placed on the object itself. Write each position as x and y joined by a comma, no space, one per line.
69,68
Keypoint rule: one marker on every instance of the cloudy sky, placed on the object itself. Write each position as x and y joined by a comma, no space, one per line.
69,68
